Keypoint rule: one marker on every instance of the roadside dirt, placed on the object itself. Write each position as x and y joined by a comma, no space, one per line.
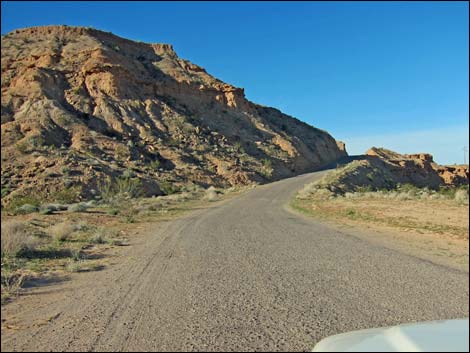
436,230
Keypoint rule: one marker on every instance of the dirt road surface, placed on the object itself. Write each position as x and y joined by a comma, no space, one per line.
244,275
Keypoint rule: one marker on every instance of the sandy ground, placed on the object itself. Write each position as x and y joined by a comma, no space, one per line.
436,230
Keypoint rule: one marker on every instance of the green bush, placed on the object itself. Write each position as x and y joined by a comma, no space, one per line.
27,208
46,210
112,211
5,191
121,188
128,173
267,169
18,201
68,195
168,188
155,164
78,207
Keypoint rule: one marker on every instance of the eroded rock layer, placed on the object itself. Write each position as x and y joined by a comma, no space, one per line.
80,105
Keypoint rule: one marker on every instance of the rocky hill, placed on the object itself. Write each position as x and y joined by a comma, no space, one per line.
80,106
380,168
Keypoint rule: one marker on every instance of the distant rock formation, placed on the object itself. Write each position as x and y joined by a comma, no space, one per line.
420,169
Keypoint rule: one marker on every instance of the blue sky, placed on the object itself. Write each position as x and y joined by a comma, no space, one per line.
391,74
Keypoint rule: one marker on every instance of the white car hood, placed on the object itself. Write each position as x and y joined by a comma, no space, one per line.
433,336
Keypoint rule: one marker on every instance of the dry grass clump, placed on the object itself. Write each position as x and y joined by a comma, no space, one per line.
61,231
102,236
98,238
461,196
211,194
11,284
16,238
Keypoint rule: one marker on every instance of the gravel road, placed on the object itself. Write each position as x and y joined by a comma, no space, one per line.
244,275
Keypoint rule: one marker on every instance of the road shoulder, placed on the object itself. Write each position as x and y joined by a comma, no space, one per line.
444,251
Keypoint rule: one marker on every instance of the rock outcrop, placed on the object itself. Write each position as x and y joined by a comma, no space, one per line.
380,168
420,169
80,106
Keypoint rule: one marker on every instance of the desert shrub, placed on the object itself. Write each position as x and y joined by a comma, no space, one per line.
128,173
65,170
75,254
103,236
168,188
267,169
74,266
45,210
90,203
112,211
30,144
437,196
56,206
238,147
211,194
121,151
61,231
461,196
27,208
78,207
307,191
12,281
99,237
155,164
82,226
5,191
120,188
350,195
67,195
18,201
364,188
16,239
129,187
409,189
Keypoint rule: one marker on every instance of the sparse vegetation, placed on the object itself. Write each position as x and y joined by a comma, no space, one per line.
211,194
17,201
16,239
61,231
128,173
155,164
461,196
99,237
120,188
37,247
78,207
267,169
27,208
405,206
168,188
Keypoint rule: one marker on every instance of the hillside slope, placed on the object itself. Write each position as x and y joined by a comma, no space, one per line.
80,106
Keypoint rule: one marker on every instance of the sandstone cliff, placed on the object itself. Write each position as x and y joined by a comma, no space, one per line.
380,168
80,106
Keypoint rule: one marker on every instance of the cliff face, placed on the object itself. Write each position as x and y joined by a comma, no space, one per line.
418,169
80,105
